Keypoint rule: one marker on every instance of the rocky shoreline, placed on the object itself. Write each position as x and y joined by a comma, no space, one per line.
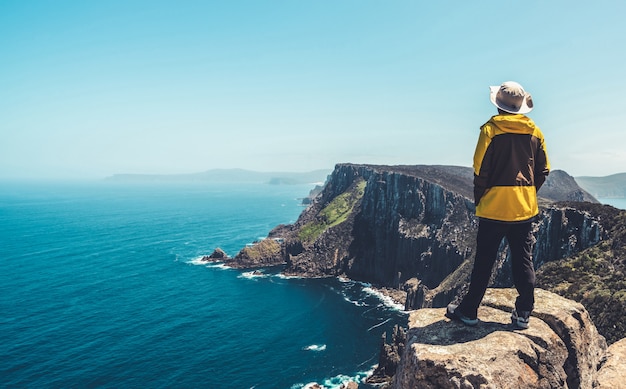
409,231
562,349
219,256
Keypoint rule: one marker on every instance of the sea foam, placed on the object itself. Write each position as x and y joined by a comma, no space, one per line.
253,274
336,382
199,262
386,300
315,347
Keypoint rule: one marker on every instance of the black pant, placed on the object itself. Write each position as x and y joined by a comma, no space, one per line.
520,239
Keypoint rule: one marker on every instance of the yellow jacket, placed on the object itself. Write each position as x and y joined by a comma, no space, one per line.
510,165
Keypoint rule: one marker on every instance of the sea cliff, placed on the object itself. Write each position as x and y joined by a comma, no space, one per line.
411,230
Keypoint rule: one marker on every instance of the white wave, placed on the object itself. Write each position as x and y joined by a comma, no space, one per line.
199,262
338,381
344,280
315,347
386,300
220,265
252,274
286,277
365,284
354,302
353,282
341,380
378,325
305,386
347,285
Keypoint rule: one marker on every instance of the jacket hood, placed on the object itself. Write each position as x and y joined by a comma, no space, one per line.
514,124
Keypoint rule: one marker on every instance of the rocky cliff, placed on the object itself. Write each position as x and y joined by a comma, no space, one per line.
412,229
595,277
561,349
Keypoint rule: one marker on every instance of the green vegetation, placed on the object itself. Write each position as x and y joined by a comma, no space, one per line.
336,212
267,248
596,278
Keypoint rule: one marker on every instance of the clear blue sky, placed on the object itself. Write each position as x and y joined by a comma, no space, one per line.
94,88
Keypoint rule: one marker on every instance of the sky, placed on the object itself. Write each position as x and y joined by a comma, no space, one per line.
89,89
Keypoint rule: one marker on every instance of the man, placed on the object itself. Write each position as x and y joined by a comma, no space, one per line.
510,165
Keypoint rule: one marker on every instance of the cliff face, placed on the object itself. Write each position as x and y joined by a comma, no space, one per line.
414,223
400,226
412,229
596,277
563,187
561,231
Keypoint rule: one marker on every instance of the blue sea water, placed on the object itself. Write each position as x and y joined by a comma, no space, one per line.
617,202
101,287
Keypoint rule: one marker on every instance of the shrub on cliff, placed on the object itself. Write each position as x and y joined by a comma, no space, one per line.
266,250
336,212
595,276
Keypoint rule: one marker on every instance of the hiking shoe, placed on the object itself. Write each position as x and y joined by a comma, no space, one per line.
453,313
520,320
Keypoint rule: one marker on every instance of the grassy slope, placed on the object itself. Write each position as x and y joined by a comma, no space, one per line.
336,212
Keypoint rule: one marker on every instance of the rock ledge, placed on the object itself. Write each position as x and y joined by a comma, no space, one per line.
561,349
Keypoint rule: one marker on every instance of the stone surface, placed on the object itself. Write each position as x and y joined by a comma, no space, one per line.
561,348
390,355
612,373
571,322
259,254
217,255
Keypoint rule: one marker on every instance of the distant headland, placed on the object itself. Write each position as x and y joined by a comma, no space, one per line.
599,187
230,176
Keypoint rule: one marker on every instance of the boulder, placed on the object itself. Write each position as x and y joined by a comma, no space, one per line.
571,322
259,254
613,370
389,356
561,349
217,255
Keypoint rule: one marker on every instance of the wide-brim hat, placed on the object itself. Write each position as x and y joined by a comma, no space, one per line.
511,97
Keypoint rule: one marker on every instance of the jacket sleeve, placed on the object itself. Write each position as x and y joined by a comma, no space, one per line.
482,165
542,164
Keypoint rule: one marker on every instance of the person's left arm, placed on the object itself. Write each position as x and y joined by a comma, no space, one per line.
482,165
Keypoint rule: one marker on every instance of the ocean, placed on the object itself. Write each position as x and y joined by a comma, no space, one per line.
102,287
617,202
